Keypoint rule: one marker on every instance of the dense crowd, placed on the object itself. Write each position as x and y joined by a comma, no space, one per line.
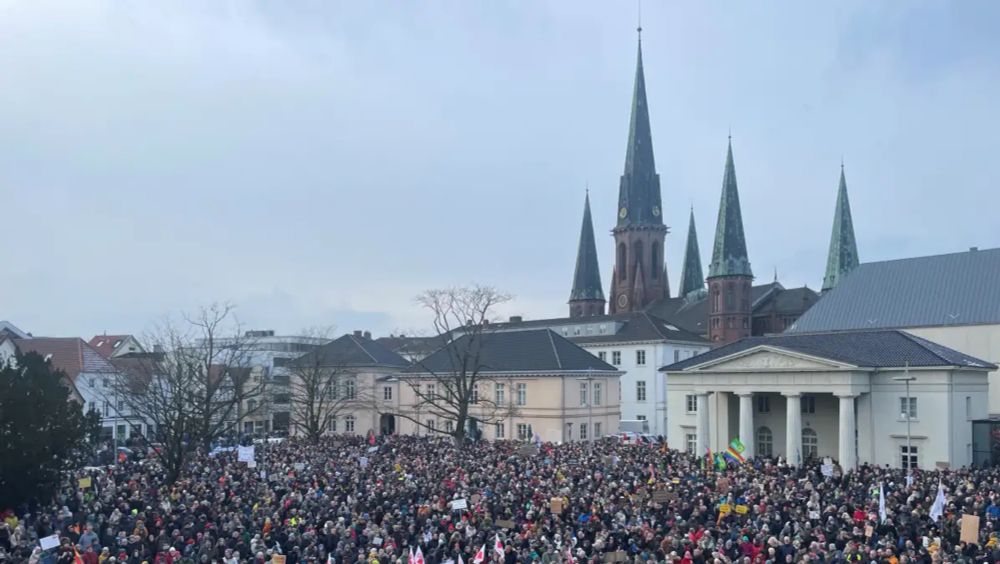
344,500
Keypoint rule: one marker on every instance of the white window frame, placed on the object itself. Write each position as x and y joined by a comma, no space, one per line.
810,450
596,394
349,424
603,355
499,393
583,431
597,429
616,358
690,442
498,430
387,393
691,403
521,393
908,408
914,456
640,357
765,442
808,405
523,432
640,390
583,394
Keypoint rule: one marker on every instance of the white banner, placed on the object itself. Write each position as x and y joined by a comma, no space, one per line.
48,542
459,504
245,453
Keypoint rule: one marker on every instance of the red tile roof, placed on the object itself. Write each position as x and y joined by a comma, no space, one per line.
106,344
69,354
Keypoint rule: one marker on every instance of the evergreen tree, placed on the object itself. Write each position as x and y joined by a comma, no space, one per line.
43,432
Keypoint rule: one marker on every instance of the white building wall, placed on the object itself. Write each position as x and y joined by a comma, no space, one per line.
980,341
655,408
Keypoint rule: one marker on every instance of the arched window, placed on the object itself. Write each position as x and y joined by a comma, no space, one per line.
765,442
622,267
716,300
730,297
656,260
810,444
638,253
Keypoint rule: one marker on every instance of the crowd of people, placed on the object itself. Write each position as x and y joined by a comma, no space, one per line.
417,498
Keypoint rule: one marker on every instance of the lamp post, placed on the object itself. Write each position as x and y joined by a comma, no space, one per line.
906,378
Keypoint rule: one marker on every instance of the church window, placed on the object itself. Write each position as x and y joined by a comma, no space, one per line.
638,253
730,297
656,260
716,300
621,261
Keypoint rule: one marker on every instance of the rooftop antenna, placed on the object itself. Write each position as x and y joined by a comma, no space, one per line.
638,27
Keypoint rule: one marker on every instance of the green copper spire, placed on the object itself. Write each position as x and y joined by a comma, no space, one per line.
843,256
587,278
692,278
639,190
729,254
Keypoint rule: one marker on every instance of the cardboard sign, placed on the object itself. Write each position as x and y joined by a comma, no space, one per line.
618,556
741,509
506,524
970,529
476,498
459,504
724,509
278,559
84,483
556,505
662,496
826,470
49,542
722,485
527,450
869,531
377,541
245,454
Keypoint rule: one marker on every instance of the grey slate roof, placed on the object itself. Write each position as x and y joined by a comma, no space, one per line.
729,253
532,350
869,349
691,314
639,190
952,289
843,255
587,276
352,351
631,327
692,278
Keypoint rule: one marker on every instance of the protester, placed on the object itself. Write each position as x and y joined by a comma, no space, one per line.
344,501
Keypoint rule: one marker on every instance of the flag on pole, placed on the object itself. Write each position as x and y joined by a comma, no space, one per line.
881,503
371,437
720,461
937,509
498,546
735,451
77,559
480,556
412,558
460,559
420,556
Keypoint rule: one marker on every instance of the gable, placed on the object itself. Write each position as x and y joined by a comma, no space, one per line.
768,358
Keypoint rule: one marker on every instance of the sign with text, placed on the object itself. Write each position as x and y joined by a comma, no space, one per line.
49,542
970,529
85,483
556,505
245,453
742,509
459,504
505,523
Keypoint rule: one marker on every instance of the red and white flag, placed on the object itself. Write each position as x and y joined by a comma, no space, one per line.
411,560
498,546
420,556
460,559
480,556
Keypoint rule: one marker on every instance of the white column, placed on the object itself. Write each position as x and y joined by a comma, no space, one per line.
845,443
746,424
702,425
793,428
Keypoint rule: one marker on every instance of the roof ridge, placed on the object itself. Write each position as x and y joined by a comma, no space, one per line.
965,252
554,351
923,344
361,346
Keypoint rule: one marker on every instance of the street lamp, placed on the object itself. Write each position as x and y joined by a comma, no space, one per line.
909,450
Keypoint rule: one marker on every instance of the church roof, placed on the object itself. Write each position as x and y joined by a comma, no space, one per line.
843,255
639,190
691,313
951,289
587,276
692,278
729,253
531,350
870,349
626,327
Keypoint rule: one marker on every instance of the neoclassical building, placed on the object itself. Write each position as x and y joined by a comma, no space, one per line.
880,397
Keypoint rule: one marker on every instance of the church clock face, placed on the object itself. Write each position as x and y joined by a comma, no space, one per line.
623,212
623,301
656,211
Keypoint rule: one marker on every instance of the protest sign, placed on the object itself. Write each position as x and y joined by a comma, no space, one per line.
661,496
724,509
377,541
252,464
741,509
49,542
556,505
245,453
299,466
527,450
826,470
970,529
722,485
618,556
459,504
505,523
84,483
363,461
373,449
278,559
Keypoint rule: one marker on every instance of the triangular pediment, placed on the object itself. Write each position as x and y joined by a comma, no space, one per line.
769,358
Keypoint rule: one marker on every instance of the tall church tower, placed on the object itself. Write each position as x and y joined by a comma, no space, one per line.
843,256
586,297
639,276
729,275
692,279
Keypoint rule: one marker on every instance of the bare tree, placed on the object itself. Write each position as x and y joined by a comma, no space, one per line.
459,389
197,386
323,387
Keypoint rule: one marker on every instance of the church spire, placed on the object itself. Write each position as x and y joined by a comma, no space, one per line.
843,255
639,190
692,278
729,253
586,297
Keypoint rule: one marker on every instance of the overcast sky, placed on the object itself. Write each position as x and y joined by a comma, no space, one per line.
321,163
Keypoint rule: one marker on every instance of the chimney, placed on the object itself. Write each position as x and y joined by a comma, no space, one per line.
357,333
973,249
516,319
368,334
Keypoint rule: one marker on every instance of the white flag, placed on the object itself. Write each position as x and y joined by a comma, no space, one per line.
460,559
480,556
881,503
937,510
498,546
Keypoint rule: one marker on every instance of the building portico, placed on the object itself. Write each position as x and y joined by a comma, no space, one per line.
829,395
